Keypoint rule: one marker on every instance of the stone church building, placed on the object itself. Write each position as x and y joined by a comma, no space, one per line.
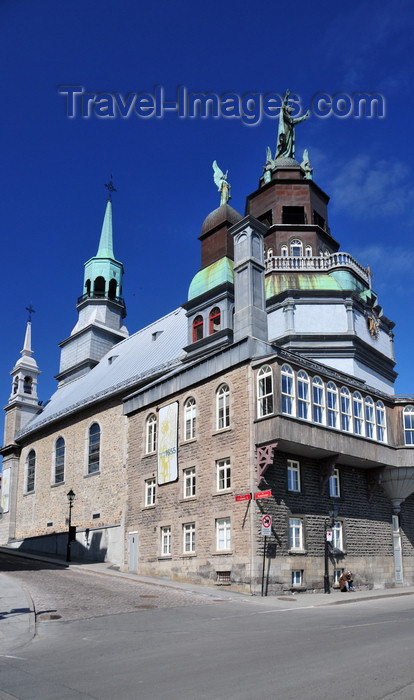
251,437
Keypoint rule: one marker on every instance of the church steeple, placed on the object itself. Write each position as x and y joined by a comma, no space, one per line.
101,307
23,401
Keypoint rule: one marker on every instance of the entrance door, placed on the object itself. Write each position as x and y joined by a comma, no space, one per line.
133,551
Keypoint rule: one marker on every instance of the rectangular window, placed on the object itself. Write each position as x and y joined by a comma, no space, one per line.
189,482
337,575
295,533
223,534
337,541
223,474
358,414
369,418
150,492
166,541
318,400
293,475
303,395
332,405
409,425
287,390
189,537
345,410
297,578
334,486
381,422
223,407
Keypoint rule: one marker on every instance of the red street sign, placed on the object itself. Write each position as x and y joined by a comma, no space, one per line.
243,497
263,494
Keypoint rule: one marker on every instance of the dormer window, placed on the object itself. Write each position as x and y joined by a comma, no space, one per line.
198,324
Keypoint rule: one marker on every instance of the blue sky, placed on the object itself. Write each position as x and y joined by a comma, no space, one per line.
54,168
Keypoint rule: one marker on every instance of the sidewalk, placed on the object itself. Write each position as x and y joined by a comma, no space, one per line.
17,615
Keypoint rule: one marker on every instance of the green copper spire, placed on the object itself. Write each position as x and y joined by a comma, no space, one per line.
103,273
106,249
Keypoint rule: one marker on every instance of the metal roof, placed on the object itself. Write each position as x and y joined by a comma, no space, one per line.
147,353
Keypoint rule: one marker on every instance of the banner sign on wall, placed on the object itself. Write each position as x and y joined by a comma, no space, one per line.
167,443
5,490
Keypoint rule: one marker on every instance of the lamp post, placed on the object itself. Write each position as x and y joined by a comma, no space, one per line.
331,522
71,498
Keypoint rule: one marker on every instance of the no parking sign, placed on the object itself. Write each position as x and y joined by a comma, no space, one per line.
266,525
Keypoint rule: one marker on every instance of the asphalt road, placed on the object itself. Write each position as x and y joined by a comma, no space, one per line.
110,643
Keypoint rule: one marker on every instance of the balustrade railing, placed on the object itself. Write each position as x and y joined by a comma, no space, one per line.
332,261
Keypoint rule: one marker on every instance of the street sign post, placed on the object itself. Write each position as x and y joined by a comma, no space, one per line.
266,525
266,530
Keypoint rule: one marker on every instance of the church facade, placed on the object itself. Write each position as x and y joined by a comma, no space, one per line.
250,438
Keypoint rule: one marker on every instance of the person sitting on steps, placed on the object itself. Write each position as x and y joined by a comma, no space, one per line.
346,583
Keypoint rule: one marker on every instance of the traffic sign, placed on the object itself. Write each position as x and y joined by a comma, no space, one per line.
263,494
266,525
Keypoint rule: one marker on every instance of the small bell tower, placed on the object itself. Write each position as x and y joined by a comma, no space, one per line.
23,402
101,308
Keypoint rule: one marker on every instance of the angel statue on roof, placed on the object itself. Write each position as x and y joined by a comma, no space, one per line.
222,185
286,131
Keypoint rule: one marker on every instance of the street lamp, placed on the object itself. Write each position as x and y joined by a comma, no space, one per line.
333,514
71,498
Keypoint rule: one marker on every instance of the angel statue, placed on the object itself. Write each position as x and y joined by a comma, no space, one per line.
286,131
268,166
305,164
221,181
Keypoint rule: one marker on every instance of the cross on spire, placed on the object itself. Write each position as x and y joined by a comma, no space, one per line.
31,311
110,187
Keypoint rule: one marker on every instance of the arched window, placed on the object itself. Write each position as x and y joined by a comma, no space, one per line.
369,418
30,471
94,448
288,390
15,385
264,391
318,400
284,251
112,289
303,395
59,461
296,248
308,251
332,404
151,433
381,422
345,409
223,407
358,413
408,414
99,287
198,324
214,320
190,414
269,253
88,288
28,385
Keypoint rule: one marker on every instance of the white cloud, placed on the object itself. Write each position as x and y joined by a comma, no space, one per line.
368,188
